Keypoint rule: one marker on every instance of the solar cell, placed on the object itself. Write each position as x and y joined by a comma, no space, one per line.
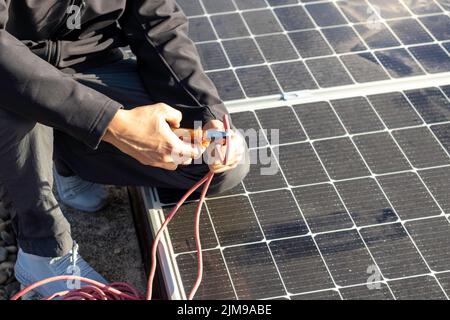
446,90
438,181
285,123
329,72
229,25
241,212
432,57
399,63
346,255
418,288
356,11
215,6
393,251
325,14
253,272
200,29
410,31
442,132
279,219
444,280
243,52
377,37
215,271
322,208
227,84
255,181
319,120
432,237
422,7
421,148
395,110
191,7
262,22
321,295
439,26
250,4
364,293
265,86
343,39
357,115
246,122
294,18
301,265
293,76
281,2
276,48
341,158
182,225
409,196
364,67
311,170
389,9
310,43
431,104
381,153
212,56
444,4
366,202
447,46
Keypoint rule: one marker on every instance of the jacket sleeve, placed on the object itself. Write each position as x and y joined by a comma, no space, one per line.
34,89
168,61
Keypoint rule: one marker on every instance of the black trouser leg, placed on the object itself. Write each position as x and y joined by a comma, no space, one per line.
26,176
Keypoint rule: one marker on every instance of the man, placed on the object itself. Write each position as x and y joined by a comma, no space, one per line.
67,93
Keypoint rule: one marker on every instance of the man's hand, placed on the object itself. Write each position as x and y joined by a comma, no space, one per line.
236,152
145,134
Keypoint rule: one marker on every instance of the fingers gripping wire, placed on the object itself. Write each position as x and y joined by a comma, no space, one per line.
94,290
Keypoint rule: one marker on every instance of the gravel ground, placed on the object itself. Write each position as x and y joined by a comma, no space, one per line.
107,240
8,250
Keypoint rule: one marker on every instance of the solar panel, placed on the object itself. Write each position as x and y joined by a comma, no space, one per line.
359,206
353,196
329,43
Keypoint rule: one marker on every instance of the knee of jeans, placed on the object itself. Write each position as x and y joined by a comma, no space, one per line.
230,179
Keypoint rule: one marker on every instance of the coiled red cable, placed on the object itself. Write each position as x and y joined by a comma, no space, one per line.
122,291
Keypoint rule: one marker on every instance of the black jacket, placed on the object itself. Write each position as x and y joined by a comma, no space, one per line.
37,47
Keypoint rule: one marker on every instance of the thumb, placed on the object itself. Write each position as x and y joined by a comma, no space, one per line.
172,116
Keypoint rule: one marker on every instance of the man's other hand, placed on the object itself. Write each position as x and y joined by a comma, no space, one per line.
145,134
235,153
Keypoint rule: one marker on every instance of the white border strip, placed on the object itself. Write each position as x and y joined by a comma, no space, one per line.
166,255
359,90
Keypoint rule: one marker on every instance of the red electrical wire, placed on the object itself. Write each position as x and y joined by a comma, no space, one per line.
123,291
